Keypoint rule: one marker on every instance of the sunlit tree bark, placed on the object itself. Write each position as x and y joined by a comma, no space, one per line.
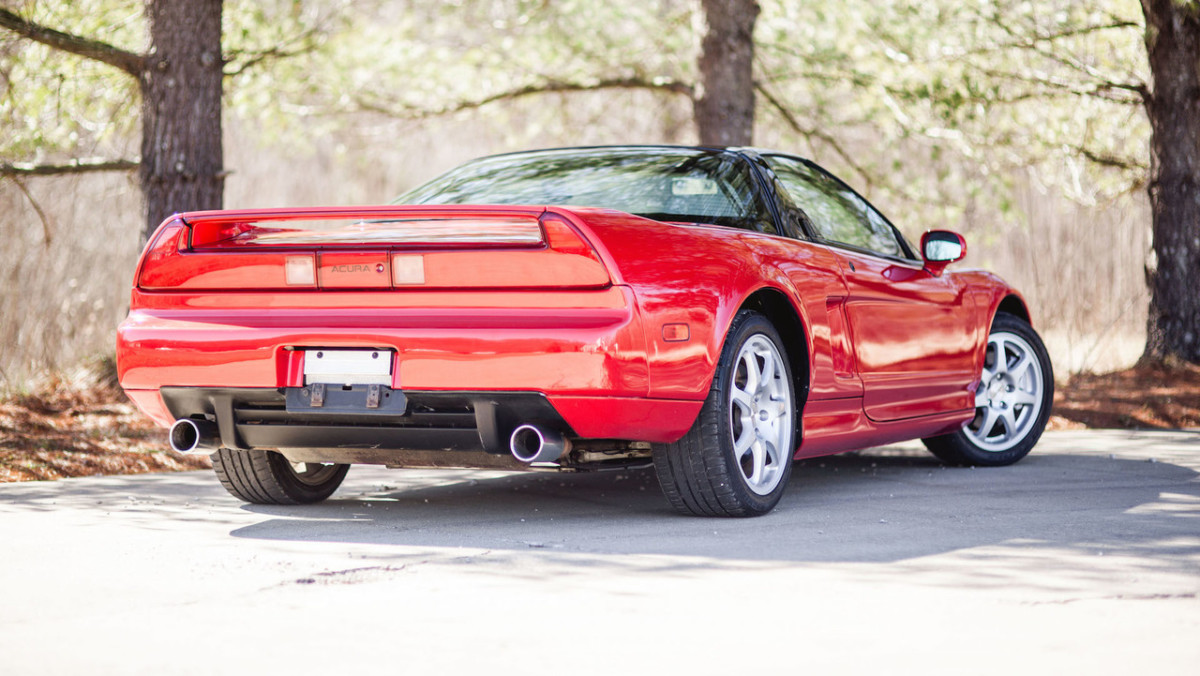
180,77
724,108
182,162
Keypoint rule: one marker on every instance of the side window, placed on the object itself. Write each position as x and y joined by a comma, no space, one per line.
837,213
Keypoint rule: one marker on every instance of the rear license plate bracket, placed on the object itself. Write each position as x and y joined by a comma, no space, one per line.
342,400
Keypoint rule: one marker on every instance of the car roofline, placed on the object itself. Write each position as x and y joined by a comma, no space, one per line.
737,150
748,152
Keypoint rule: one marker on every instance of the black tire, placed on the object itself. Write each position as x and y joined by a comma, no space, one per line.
699,474
972,446
267,478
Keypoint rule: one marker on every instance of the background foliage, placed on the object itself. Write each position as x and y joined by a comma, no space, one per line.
1016,122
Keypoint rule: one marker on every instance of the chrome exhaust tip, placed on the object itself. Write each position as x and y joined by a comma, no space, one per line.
530,444
198,437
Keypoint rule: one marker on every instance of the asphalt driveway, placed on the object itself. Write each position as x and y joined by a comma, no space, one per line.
1083,557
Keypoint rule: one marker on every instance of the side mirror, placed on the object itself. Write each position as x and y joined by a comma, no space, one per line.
940,248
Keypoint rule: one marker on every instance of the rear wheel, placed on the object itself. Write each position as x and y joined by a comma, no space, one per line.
268,478
1012,403
736,458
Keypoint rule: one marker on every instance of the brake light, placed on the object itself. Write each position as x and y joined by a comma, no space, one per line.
234,251
561,237
154,268
207,233
416,232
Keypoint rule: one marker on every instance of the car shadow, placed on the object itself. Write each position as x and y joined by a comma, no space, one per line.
881,505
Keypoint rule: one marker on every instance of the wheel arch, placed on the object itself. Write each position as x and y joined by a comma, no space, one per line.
1013,304
774,304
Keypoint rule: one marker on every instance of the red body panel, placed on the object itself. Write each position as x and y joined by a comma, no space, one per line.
619,321
911,331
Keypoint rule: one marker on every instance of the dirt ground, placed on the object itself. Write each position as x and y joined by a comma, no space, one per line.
1143,397
63,430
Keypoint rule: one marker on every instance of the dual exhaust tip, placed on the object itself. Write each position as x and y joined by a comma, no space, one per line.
528,443
191,436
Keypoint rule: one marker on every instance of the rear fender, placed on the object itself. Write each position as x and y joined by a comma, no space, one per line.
690,281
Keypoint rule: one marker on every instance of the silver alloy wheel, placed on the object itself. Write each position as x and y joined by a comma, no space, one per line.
761,414
313,473
1009,399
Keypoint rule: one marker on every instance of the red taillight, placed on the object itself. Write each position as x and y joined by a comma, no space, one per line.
409,232
154,268
562,237
206,233
233,251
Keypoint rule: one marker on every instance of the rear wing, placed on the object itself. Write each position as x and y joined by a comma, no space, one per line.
370,248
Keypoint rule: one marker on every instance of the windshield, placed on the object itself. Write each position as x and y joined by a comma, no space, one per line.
665,184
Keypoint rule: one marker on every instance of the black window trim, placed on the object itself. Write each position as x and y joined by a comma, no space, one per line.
768,188
910,256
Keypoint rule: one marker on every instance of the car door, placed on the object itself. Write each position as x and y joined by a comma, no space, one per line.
911,330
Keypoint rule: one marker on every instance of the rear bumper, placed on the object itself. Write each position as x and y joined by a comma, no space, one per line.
433,421
578,356
586,342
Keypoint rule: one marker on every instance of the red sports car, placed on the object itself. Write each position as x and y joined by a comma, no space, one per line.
715,312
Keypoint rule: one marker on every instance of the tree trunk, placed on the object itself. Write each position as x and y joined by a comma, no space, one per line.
182,160
724,109
1173,44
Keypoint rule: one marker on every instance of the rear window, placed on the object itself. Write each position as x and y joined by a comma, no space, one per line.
678,185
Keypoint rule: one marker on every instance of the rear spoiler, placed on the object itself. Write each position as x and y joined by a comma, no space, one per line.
370,248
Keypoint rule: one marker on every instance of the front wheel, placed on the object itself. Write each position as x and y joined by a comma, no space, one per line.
268,478
736,458
1012,403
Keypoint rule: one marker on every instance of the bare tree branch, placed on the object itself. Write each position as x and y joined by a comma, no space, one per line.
550,87
1031,41
83,166
810,134
1108,91
46,230
250,59
1038,44
103,52
1110,160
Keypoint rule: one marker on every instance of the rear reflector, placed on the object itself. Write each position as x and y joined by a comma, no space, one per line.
300,271
408,269
676,333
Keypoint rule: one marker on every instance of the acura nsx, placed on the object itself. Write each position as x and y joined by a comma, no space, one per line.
714,312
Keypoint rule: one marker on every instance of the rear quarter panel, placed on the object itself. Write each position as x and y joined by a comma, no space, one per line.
685,274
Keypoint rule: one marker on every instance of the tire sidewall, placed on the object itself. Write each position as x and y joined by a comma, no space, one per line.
754,324
304,493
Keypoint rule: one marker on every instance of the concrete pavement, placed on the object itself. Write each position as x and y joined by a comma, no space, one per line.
1084,556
